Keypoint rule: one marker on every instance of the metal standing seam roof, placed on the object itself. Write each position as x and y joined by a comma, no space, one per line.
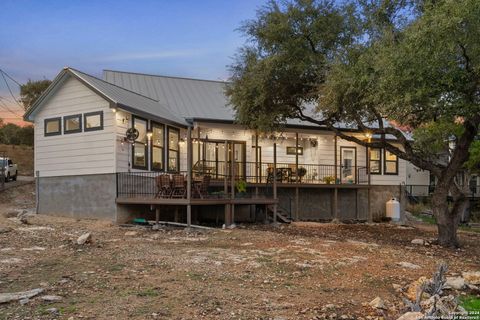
187,98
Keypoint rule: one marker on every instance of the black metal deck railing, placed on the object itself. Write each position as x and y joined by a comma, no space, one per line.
262,172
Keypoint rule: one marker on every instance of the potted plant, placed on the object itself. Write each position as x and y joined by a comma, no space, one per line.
241,187
328,179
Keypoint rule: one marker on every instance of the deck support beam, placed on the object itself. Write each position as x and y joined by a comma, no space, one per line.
232,181
296,175
189,175
226,173
335,204
275,182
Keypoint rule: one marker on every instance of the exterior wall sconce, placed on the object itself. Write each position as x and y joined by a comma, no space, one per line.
149,134
114,110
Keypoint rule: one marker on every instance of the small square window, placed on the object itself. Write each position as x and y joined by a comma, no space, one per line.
53,126
72,124
93,121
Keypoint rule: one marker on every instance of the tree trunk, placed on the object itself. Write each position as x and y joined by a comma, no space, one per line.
447,220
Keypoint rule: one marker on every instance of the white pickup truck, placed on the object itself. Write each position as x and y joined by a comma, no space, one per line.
10,168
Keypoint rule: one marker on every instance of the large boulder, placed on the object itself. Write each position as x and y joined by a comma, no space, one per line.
456,283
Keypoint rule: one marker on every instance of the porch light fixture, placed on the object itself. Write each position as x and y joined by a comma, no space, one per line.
149,134
368,135
114,110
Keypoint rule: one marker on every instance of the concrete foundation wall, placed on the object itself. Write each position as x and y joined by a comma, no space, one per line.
87,196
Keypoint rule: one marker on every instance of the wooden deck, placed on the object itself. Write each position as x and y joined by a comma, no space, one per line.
194,201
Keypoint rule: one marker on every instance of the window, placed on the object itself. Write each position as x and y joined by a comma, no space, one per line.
157,147
376,161
291,150
53,126
391,163
139,152
72,124
173,149
93,121
348,160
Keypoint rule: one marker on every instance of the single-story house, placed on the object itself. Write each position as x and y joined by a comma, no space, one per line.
102,146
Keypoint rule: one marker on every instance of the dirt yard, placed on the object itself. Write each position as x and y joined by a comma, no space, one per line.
299,271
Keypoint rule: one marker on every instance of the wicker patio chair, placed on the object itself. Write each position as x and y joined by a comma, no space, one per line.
164,188
178,186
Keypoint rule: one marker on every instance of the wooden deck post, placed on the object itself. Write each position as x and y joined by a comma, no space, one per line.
296,176
369,211
335,204
225,185
256,158
232,181
189,176
275,182
335,158
335,190
157,215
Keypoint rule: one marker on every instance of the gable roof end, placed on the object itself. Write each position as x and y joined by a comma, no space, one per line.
117,96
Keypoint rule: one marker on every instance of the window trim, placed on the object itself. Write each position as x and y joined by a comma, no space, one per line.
153,123
133,145
56,133
168,149
73,116
380,161
89,114
385,164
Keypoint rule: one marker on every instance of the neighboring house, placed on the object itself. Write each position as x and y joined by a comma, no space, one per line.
87,168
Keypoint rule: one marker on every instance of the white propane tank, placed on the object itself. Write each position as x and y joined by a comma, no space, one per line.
393,209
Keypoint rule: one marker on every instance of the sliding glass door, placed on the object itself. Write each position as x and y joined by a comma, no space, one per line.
212,158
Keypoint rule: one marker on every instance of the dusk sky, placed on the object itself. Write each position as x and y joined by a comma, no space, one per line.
180,38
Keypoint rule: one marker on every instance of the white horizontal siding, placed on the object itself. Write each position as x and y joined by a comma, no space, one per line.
76,153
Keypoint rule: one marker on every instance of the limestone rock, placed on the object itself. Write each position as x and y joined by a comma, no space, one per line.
51,298
131,233
408,265
472,277
415,287
457,283
411,316
14,296
377,303
84,238
418,241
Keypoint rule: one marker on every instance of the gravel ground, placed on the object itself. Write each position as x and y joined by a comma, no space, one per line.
299,271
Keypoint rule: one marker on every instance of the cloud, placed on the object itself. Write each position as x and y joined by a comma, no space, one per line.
166,54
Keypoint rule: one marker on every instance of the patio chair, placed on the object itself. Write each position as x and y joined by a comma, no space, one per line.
164,188
279,174
178,186
201,187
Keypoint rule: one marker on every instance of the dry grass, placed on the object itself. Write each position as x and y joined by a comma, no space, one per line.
21,155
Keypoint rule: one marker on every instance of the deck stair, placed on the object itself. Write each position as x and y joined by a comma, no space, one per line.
282,214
